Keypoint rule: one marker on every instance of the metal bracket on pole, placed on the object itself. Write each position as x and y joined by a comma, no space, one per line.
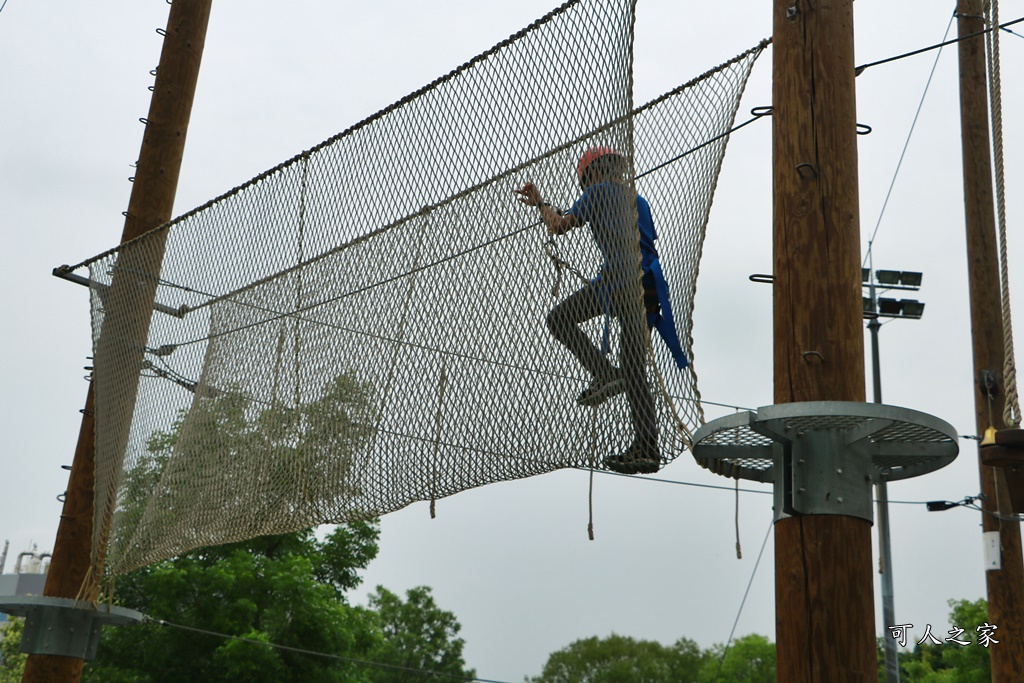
101,289
64,627
1006,453
823,456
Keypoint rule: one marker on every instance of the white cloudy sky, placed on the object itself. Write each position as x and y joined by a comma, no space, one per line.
511,560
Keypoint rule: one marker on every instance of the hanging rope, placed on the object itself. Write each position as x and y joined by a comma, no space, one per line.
739,548
1011,407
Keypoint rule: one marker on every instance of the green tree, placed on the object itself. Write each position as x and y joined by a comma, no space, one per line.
968,663
750,659
948,661
620,659
287,590
12,660
417,635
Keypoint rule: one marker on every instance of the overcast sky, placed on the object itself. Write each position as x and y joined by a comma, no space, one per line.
511,560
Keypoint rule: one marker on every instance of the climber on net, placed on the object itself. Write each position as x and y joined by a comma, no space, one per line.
621,290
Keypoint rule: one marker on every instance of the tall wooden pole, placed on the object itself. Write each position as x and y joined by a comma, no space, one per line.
825,626
150,205
1006,584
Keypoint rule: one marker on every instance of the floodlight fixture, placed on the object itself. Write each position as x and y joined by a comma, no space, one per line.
887,277
891,279
889,307
912,309
910,278
893,308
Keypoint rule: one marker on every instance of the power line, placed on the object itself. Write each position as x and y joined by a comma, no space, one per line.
721,405
970,502
743,602
934,505
326,655
966,502
860,69
674,482
190,384
762,113
172,375
909,135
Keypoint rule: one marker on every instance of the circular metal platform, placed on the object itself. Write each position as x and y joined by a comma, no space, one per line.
64,627
900,442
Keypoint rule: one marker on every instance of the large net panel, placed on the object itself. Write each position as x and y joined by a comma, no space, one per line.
365,325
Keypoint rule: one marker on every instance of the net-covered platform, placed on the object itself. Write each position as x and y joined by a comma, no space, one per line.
363,326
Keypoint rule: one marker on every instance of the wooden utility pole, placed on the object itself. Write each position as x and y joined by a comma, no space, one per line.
825,626
150,205
1006,584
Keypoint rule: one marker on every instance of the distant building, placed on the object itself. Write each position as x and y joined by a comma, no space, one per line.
29,575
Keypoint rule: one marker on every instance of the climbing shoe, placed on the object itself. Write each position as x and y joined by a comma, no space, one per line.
635,460
600,389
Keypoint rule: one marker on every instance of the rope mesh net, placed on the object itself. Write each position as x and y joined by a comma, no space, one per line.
364,326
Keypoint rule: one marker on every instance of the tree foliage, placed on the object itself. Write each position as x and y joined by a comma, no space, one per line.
281,590
750,659
621,659
418,635
12,661
948,661
285,590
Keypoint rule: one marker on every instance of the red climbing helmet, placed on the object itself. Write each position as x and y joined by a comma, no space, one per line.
592,155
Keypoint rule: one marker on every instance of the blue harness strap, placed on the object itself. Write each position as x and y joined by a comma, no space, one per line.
664,322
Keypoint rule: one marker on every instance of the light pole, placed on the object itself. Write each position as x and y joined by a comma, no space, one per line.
875,308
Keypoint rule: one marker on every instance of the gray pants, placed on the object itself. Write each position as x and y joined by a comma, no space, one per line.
625,304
